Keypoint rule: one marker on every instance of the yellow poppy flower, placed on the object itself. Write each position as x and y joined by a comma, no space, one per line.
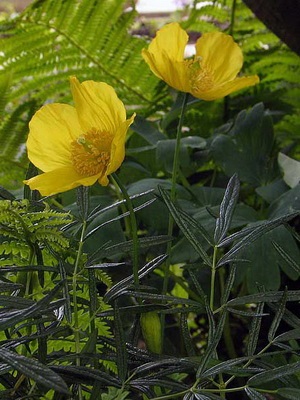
78,145
211,74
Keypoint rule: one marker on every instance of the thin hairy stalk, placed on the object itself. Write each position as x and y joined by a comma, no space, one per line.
133,228
175,172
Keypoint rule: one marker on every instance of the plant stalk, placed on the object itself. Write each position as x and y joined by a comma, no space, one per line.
133,228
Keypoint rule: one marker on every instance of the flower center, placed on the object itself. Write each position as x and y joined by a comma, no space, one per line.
90,153
200,75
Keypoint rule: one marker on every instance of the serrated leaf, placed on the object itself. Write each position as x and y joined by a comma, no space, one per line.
34,370
226,209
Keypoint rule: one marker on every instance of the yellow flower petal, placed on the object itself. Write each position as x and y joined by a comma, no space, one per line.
171,39
208,75
221,53
225,89
118,147
165,56
59,180
51,130
97,105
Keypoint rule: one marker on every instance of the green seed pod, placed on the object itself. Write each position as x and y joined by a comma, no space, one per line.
151,330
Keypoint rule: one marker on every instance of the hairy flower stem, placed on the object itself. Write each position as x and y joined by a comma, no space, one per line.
173,190
133,228
75,307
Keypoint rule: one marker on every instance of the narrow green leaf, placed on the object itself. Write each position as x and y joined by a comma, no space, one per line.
5,194
9,287
184,226
99,210
144,242
277,318
34,370
272,296
276,373
186,335
120,286
82,200
293,334
254,235
254,331
65,290
254,395
227,208
211,348
123,215
121,352
86,375
288,316
289,393
198,287
287,257
229,284
13,317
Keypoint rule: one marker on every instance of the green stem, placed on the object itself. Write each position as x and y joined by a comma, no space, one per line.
232,17
133,227
75,307
173,189
213,279
249,362
226,113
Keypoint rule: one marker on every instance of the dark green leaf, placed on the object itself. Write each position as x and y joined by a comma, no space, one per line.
34,370
293,334
120,286
123,215
82,193
287,257
289,393
212,346
260,230
226,209
183,225
275,373
254,395
254,330
121,352
277,318
184,329
272,296
229,284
